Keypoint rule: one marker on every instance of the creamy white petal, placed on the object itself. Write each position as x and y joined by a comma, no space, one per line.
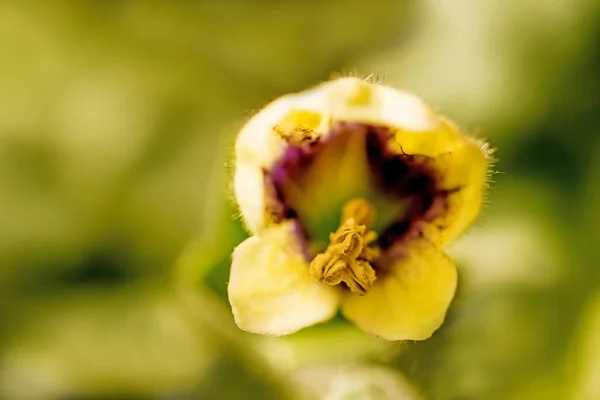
248,184
345,99
355,100
270,290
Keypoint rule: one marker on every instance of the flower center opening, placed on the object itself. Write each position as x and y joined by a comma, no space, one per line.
357,198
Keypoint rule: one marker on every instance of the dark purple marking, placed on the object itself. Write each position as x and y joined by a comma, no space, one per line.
290,166
398,175
405,176
295,160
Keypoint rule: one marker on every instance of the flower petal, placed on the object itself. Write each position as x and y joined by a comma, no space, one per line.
355,100
346,99
270,290
411,300
249,187
262,141
463,172
259,144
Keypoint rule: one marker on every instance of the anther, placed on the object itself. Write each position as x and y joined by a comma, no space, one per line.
348,256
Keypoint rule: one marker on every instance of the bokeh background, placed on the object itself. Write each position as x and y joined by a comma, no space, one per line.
117,121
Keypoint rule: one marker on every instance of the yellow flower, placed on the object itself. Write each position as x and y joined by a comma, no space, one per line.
351,190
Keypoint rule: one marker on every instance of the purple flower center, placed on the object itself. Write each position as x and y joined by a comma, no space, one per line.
398,177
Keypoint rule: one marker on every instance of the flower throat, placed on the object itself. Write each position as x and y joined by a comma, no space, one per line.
335,187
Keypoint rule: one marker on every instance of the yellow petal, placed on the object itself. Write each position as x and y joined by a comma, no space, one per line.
270,290
411,300
469,173
463,171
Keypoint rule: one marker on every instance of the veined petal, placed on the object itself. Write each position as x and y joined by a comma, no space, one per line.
270,289
410,301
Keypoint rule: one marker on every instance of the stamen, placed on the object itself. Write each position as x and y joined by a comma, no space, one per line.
348,256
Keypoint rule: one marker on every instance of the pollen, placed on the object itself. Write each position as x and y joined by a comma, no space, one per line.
350,252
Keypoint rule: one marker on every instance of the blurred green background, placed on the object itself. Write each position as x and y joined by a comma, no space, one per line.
117,121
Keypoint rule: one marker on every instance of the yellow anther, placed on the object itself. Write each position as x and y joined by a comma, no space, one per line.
347,258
